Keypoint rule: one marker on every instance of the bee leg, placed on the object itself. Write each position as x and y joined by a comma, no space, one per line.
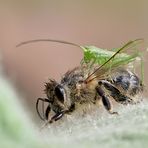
37,106
71,109
56,117
116,94
105,100
48,109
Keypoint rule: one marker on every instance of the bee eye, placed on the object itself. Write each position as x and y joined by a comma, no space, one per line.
59,92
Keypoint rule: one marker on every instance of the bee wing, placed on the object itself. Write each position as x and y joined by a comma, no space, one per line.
113,62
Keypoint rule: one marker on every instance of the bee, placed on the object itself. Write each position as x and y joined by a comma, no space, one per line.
88,85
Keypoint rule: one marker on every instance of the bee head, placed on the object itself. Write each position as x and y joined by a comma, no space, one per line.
50,89
57,95
60,93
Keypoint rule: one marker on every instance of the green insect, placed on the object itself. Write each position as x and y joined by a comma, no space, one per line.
102,75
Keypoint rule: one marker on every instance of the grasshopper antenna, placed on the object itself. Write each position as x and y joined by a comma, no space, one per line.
47,40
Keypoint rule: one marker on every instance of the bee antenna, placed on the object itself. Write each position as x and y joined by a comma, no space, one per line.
47,40
37,108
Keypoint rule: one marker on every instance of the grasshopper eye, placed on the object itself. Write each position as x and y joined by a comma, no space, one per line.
60,93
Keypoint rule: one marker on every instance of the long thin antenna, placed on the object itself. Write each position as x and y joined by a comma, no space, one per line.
47,40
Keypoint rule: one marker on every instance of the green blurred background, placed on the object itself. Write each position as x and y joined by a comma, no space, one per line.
106,24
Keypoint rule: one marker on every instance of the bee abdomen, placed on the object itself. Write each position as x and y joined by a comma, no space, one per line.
129,82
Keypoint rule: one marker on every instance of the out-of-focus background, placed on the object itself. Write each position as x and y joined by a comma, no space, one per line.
106,24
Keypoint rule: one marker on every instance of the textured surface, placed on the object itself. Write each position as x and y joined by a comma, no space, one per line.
129,129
